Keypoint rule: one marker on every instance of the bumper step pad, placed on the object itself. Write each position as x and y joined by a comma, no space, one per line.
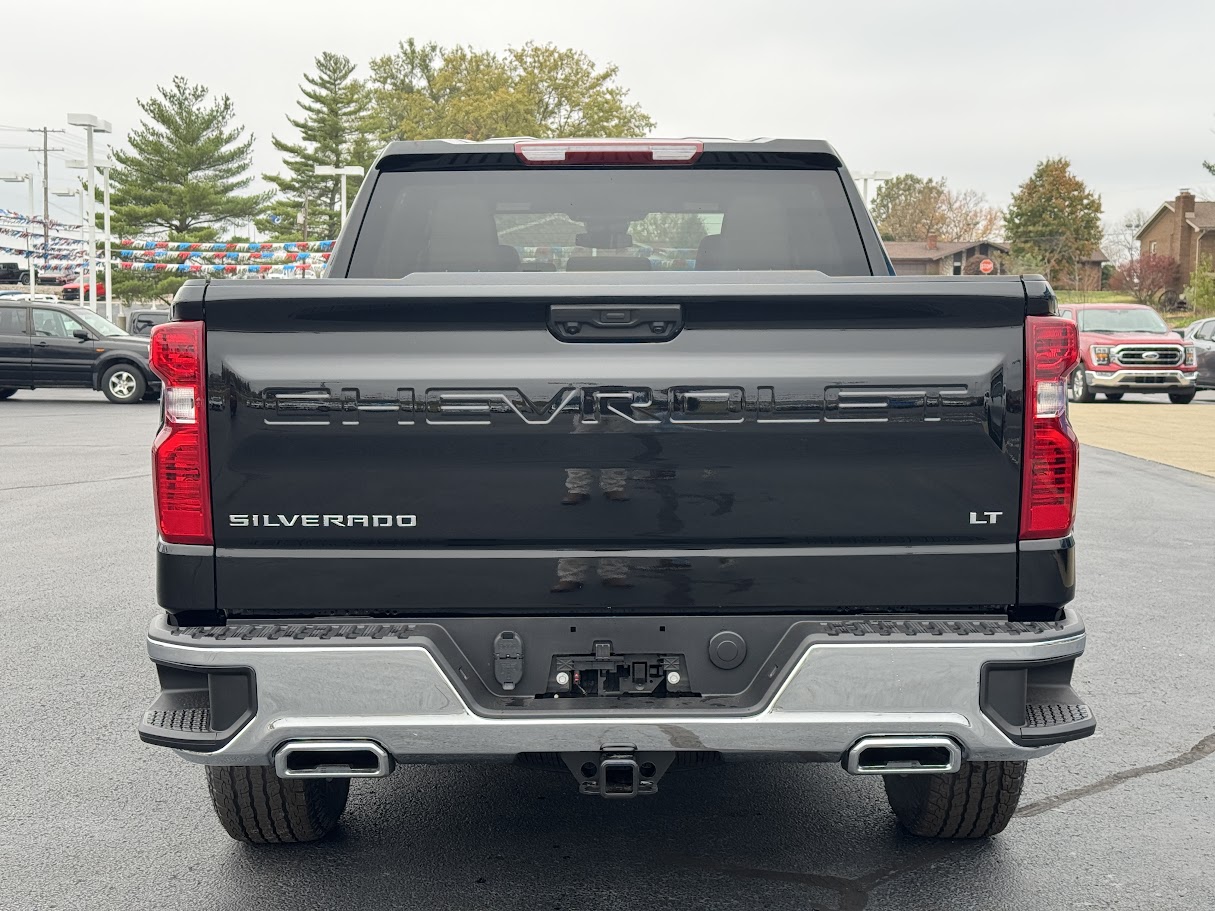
199,709
195,721
1057,722
1051,714
1034,703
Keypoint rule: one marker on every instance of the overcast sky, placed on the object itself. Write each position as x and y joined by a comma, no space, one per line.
976,93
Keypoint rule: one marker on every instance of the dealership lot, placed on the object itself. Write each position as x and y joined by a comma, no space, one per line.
93,818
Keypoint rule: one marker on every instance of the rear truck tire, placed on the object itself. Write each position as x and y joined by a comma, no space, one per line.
123,384
1078,389
975,802
255,806
7,394
1182,398
1115,396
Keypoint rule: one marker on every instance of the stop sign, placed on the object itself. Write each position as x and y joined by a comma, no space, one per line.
986,266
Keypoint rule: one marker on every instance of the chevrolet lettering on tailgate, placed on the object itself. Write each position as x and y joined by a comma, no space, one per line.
343,405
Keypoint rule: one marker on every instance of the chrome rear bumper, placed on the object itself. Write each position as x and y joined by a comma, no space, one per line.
839,690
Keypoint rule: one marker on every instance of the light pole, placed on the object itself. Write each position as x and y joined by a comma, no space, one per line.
875,176
29,241
79,193
92,124
105,227
104,168
353,170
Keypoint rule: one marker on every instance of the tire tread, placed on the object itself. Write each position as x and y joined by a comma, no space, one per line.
255,806
976,802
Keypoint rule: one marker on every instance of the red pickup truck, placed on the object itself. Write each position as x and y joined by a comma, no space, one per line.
78,289
1129,348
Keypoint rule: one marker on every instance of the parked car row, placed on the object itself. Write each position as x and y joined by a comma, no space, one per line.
139,322
1129,348
57,345
26,296
16,272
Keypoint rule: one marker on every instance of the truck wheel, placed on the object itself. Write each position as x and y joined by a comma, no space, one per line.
1077,389
254,805
1182,398
123,384
7,393
975,802
1115,396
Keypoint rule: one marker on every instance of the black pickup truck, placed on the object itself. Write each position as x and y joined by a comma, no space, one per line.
621,458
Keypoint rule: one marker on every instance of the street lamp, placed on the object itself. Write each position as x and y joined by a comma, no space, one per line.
875,176
352,170
29,241
104,167
79,193
92,124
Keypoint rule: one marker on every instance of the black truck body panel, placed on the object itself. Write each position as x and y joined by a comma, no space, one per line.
801,444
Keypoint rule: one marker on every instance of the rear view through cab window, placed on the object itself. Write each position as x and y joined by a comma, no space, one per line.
607,220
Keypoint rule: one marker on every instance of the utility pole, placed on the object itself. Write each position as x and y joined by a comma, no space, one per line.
46,190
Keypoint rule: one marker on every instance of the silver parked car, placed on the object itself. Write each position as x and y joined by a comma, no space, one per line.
1202,333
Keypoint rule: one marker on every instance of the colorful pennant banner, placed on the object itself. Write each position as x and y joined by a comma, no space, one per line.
225,269
290,246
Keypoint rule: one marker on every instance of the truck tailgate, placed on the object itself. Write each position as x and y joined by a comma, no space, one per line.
430,446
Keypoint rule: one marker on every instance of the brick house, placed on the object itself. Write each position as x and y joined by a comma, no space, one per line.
1183,229
933,257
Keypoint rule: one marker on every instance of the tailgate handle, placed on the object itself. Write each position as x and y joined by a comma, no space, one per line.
625,323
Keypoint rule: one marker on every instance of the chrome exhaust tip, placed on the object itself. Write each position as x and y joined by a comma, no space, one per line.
896,755
332,759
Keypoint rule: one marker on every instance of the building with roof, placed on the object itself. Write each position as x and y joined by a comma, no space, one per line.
934,257
1085,275
1183,229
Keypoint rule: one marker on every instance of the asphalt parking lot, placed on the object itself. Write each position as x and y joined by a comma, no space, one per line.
92,818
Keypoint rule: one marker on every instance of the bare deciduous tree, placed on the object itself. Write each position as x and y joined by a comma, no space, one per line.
1118,239
967,216
1146,276
910,208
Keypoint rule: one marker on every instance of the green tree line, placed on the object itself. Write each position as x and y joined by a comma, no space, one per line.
185,172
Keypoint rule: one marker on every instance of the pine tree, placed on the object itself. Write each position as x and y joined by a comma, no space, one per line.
186,166
331,132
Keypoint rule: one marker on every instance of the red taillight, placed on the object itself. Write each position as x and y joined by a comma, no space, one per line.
608,151
1050,452
179,453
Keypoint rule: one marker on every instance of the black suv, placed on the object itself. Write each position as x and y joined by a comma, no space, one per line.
58,345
